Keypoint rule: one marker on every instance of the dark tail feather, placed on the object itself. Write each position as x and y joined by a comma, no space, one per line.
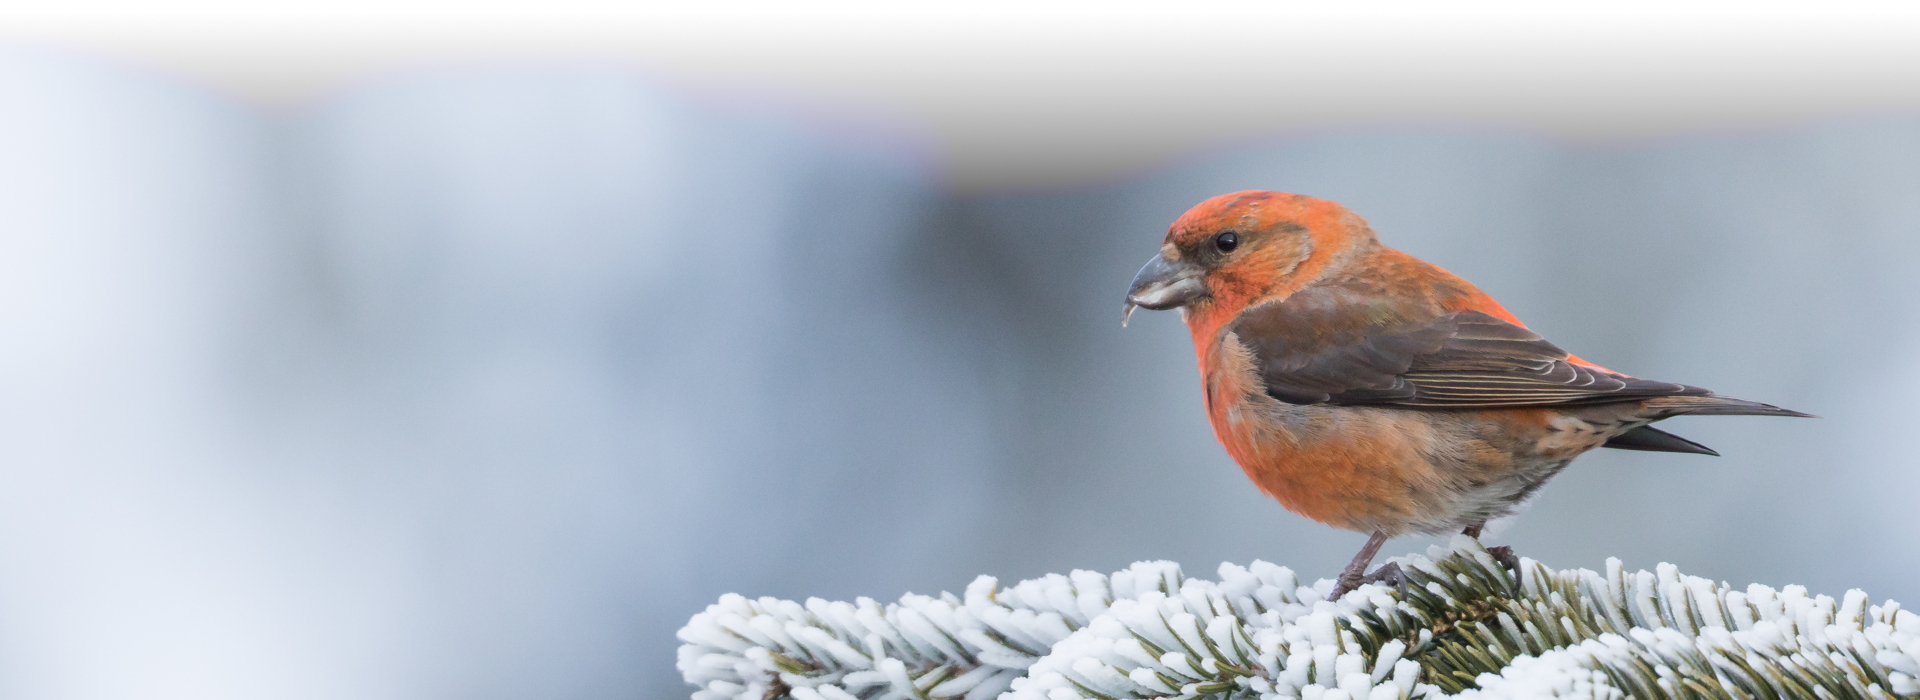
1649,439
1670,406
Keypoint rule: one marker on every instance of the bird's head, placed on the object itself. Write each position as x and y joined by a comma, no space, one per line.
1240,248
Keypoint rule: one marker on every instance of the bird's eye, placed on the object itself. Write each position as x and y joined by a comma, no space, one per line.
1226,242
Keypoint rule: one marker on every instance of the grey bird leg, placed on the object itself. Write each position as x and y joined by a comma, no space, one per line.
1356,572
1389,573
1502,553
1506,557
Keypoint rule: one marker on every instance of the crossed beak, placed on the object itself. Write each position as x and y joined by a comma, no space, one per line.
1163,285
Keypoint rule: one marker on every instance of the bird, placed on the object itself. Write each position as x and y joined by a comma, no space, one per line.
1373,391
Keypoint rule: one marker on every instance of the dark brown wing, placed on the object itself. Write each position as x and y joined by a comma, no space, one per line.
1333,347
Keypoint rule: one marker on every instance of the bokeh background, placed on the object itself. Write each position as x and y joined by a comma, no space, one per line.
385,355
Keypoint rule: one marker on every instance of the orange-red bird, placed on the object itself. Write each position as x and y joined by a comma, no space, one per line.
1372,391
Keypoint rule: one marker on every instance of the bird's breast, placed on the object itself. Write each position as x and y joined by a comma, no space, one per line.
1347,467
1363,468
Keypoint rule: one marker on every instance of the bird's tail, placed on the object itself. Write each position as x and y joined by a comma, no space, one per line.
1670,406
1647,438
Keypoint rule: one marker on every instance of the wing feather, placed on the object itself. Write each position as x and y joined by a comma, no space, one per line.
1334,347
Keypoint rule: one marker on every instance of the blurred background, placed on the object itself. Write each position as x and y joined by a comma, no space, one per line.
400,351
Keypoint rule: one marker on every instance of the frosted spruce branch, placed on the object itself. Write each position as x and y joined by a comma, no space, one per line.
1462,627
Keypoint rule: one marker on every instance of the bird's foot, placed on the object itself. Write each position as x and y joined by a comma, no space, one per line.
1345,584
1356,572
1390,573
1506,557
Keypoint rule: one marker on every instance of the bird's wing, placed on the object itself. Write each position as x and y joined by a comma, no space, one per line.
1330,347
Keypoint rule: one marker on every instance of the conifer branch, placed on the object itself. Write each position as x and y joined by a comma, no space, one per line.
1463,626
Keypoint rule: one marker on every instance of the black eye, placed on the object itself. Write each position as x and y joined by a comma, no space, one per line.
1226,242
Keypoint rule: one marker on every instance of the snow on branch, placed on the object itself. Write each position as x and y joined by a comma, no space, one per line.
1463,626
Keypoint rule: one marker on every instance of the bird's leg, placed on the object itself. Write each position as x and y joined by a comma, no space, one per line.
1389,573
1356,572
1506,557
1502,553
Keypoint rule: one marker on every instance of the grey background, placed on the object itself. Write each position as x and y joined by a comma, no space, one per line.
476,384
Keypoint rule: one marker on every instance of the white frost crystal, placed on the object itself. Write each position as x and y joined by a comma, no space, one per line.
1463,627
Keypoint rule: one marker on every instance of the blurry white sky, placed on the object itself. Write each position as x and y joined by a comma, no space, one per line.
1020,94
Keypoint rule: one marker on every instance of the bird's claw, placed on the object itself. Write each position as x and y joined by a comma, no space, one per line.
1506,557
1346,583
1389,573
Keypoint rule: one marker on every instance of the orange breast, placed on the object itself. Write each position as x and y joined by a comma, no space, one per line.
1360,468
1354,468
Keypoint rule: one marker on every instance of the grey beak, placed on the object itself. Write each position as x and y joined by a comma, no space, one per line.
1163,285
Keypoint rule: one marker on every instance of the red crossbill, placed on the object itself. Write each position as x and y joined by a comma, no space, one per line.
1372,391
